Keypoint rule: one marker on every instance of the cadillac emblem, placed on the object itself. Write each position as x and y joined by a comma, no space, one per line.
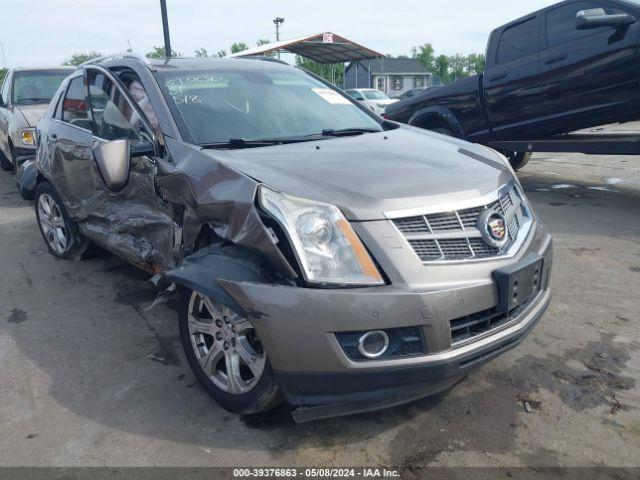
493,228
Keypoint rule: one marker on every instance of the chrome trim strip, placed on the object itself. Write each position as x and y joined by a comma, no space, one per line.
483,200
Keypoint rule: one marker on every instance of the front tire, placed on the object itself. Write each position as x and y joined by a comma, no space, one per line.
518,159
59,232
226,356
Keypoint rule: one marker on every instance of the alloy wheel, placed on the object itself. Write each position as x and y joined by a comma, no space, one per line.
226,345
53,225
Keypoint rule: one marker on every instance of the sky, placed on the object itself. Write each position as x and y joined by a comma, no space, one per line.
46,32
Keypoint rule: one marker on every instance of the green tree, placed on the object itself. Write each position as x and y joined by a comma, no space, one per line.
202,53
158,52
221,53
458,66
476,63
78,58
425,55
325,70
239,47
442,68
3,73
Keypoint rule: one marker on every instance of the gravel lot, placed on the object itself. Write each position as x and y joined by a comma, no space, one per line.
87,377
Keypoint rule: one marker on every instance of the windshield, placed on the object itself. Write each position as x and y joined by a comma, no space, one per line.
375,95
257,104
37,86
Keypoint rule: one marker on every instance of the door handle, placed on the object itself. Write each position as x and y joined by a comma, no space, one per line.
557,58
500,76
54,136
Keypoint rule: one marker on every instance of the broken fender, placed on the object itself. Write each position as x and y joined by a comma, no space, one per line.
204,270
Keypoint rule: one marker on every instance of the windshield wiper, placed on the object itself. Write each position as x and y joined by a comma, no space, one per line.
244,143
33,99
345,132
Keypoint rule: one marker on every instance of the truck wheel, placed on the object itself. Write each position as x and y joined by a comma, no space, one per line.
519,159
226,356
60,233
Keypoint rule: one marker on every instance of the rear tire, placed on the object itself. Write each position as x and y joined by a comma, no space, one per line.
213,350
518,159
59,232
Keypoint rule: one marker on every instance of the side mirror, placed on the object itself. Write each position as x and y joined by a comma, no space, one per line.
597,17
114,161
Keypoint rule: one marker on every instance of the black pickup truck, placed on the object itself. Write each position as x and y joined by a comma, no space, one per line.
573,65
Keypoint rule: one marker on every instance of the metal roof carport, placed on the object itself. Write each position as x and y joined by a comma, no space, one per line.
325,48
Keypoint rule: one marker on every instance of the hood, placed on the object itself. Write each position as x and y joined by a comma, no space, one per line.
32,113
368,175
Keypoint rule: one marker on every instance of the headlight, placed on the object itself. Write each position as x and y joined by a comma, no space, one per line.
328,249
28,136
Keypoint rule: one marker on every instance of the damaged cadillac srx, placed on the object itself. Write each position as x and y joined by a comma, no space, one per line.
322,256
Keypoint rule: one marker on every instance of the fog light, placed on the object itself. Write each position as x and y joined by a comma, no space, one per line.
373,344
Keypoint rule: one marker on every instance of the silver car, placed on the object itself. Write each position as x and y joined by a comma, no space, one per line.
24,98
373,99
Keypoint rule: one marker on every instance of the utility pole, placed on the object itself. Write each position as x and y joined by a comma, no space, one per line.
165,28
4,60
278,21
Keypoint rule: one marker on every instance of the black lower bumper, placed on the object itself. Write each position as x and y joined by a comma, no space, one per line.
378,385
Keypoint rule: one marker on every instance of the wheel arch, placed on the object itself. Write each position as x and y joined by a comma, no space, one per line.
432,117
206,271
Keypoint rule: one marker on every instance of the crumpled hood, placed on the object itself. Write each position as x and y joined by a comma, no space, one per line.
369,175
32,113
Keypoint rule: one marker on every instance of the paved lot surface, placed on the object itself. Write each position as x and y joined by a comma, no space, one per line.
87,377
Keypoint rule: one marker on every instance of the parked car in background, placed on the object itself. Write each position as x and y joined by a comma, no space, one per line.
24,96
373,99
569,66
322,255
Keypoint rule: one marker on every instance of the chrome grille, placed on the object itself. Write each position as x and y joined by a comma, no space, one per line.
454,236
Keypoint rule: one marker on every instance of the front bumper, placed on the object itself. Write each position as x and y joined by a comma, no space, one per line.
435,372
298,325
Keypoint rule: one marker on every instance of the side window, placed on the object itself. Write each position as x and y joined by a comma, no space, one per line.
113,116
561,22
5,89
74,105
518,41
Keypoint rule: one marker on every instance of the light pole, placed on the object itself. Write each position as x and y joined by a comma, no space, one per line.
165,28
278,21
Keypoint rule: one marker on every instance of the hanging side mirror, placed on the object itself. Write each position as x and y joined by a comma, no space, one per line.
114,163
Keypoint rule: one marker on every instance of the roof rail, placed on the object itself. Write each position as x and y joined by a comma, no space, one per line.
136,56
